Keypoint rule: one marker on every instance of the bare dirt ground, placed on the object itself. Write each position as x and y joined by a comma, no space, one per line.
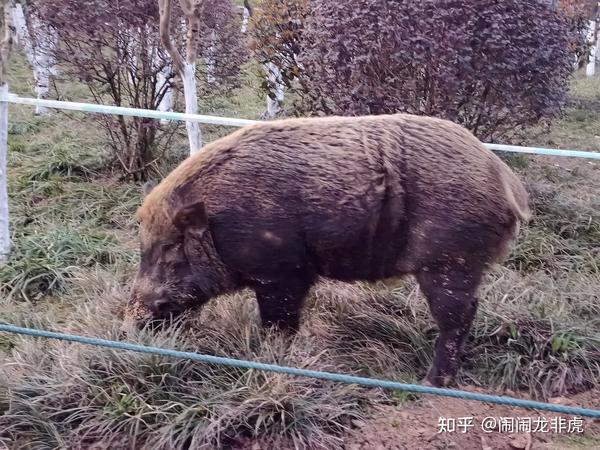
416,426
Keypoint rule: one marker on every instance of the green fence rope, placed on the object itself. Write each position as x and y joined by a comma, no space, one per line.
371,382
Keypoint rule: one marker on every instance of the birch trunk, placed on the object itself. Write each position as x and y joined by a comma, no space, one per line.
166,103
41,63
590,69
185,67
245,19
163,78
209,59
44,64
131,44
191,107
274,77
6,32
21,32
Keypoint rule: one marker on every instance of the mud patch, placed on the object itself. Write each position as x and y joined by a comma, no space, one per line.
417,426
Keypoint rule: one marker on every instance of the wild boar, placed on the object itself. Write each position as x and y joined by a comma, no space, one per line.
275,205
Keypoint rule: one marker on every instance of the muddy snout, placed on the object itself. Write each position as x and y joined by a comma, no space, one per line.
164,308
155,309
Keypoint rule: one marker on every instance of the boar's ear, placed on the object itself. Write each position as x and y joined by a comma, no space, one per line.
147,187
191,217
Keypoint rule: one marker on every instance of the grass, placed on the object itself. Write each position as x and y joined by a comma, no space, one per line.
579,128
537,331
83,396
43,263
158,403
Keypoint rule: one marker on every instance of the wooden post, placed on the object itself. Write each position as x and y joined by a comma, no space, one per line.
6,35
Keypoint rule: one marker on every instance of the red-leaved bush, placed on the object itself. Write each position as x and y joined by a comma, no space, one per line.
492,65
113,47
276,30
580,13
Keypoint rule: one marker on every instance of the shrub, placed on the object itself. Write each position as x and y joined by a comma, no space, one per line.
579,13
114,49
222,42
276,30
492,66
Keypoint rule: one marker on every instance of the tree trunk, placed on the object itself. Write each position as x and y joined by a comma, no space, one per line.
21,32
209,59
166,102
44,64
590,69
131,45
245,20
274,104
38,42
6,33
246,15
191,106
186,68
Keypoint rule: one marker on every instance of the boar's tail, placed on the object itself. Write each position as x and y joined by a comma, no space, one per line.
517,196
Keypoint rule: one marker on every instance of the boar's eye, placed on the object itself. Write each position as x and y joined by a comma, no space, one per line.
160,249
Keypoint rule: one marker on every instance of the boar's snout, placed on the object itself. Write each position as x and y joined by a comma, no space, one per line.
159,314
163,308
152,307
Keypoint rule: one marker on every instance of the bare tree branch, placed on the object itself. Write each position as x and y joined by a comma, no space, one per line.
248,6
165,7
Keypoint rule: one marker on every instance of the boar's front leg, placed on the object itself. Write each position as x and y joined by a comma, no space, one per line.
280,302
451,294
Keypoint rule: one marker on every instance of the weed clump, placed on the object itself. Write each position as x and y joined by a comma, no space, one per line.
42,263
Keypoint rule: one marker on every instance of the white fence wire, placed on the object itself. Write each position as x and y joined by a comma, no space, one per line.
6,98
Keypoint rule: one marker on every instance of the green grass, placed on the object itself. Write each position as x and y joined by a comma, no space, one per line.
75,251
43,263
585,87
86,395
579,128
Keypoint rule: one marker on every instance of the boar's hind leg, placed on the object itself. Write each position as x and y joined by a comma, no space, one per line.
451,294
280,302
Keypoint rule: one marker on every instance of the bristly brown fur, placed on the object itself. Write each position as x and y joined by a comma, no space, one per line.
366,135
155,212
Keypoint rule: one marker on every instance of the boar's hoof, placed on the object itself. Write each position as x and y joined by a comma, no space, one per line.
436,379
284,326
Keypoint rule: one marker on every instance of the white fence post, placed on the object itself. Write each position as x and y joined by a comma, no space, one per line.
4,223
